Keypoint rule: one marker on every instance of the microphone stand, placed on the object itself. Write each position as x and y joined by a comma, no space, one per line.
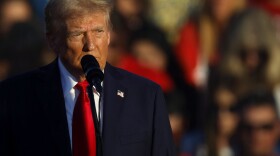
99,150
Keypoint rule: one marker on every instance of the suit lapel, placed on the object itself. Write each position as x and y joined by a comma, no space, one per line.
114,97
51,95
54,108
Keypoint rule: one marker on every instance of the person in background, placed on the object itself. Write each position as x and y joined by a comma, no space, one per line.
252,53
170,15
23,47
198,48
178,116
259,125
21,41
217,138
117,48
129,16
13,11
272,7
153,58
198,45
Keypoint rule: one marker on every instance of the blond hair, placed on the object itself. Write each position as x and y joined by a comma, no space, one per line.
57,11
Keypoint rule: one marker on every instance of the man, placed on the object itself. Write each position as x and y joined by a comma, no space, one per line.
259,127
38,110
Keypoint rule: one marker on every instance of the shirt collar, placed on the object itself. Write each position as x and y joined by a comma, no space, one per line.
68,81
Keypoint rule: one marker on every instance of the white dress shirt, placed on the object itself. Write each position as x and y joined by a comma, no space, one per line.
71,94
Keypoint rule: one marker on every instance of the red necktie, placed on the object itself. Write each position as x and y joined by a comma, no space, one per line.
83,137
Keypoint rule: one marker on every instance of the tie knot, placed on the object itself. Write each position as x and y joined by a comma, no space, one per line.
82,86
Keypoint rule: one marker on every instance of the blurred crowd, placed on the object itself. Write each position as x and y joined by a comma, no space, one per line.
217,61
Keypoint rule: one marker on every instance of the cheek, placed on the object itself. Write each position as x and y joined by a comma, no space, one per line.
103,50
104,46
71,52
74,51
74,46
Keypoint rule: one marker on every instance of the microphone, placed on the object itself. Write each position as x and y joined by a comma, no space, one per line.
92,70
94,76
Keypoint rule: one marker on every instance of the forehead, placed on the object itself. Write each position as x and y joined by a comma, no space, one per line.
259,114
86,21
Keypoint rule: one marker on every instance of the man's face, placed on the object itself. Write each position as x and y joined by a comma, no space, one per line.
260,130
85,35
222,9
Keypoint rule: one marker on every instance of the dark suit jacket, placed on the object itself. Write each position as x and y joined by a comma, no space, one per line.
33,118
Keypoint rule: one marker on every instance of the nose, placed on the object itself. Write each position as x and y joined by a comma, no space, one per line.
89,43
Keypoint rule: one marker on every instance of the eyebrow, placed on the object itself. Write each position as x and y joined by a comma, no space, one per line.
79,30
74,32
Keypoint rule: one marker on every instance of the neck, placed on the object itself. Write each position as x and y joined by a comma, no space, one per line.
78,74
80,78
222,141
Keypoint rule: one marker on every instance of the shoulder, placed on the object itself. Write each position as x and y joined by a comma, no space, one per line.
17,87
18,80
133,80
28,79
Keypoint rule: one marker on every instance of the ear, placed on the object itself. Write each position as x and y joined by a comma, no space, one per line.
54,43
50,40
278,128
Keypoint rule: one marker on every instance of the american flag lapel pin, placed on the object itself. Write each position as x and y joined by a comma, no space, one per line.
120,93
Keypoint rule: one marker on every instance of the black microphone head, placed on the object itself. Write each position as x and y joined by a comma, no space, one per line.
91,69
